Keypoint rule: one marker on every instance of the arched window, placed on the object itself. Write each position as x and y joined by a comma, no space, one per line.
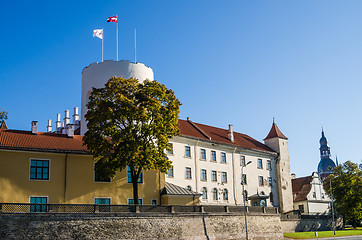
214,194
262,193
189,188
225,194
204,193
271,197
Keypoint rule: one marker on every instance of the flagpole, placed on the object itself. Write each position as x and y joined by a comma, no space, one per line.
117,35
135,46
102,43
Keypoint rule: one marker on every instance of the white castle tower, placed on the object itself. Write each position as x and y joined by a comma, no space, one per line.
97,74
277,141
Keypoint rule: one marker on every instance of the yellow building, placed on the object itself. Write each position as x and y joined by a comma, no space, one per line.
37,167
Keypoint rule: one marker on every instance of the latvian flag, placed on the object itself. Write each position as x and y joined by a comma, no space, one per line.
112,19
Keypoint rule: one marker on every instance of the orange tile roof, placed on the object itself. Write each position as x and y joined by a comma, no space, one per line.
43,142
54,142
275,132
219,135
301,187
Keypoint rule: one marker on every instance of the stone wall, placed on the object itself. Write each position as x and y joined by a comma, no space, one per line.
311,224
139,226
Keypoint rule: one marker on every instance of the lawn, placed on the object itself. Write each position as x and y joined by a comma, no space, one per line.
322,234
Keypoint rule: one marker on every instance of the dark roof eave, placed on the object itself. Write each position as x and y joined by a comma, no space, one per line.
45,150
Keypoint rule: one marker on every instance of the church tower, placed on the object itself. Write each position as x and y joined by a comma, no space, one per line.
277,141
326,164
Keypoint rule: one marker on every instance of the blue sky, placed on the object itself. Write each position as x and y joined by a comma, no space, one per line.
229,62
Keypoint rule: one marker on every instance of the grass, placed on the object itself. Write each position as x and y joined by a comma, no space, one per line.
322,234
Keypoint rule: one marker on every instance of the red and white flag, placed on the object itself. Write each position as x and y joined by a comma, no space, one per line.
98,33
112,19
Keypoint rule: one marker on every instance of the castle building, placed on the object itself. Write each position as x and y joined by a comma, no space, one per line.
210,165
326,164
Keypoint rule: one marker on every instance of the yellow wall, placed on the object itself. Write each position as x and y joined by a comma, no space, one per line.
175,200
71,180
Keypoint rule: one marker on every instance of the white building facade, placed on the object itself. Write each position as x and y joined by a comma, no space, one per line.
212,161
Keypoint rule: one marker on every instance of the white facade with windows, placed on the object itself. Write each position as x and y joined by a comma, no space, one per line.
215,171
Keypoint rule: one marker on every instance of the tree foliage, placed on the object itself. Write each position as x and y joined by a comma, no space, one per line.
129,124
3,115
346,184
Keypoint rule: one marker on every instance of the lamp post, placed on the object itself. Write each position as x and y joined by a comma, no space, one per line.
242,183
333,223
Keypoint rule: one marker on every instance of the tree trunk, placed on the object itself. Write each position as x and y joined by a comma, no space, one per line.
134,177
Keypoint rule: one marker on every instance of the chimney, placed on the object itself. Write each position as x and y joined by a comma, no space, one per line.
34,127
76,116
49,127
293,175
58,124
66,117
70,130
231,133
188,119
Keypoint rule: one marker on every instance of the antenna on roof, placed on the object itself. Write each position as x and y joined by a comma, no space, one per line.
273,120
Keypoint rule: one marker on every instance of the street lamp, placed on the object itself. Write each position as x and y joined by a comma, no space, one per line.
242,183
333,223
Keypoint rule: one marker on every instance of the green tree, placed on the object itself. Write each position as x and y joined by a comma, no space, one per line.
346,182
3,116
129,124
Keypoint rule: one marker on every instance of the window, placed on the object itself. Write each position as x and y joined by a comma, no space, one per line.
203,175
102,201
223,157
261,181
224,177
271,197
154,201
214,194
170,172
225,194
204,193
213,176
170,151
99,178
39,169
262,203
189,188
203,154
322,195
314,195
188,173
213,156
243,179
129,178
242,160
38,200
270,182
301,208
187,151
260,163
268,165
131,201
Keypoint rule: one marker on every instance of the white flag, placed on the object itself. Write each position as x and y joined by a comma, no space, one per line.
98,33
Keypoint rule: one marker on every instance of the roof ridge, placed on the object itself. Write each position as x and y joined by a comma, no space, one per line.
199,129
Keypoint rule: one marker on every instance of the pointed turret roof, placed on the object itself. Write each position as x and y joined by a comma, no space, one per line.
275,132
3,125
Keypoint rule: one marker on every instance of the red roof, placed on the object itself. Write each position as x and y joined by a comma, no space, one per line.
275,132
49,142
55,142
301,187
219,135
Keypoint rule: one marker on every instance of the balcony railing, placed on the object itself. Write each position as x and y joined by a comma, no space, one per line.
106,208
